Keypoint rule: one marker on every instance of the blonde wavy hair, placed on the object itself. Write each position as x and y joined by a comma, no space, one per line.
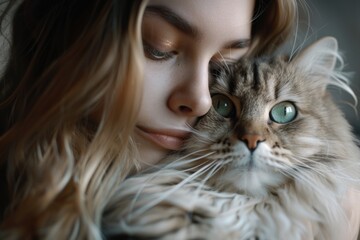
69,60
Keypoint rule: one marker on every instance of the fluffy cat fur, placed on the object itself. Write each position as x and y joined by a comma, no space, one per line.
246,176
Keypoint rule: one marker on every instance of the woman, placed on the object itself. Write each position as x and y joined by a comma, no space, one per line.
86,109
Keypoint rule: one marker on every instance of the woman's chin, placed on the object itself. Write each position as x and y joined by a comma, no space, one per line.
150,154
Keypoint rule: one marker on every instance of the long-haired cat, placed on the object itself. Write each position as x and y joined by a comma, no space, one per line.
273,159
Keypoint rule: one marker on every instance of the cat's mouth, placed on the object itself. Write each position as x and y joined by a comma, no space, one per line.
251,172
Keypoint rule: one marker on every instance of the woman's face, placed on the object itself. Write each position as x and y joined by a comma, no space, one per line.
182,39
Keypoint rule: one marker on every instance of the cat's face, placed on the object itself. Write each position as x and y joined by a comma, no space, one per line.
269,122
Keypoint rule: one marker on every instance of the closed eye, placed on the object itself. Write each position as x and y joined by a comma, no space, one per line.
156,54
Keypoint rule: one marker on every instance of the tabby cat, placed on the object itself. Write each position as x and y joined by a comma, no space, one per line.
271,160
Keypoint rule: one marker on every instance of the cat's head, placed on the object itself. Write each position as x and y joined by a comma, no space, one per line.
270,120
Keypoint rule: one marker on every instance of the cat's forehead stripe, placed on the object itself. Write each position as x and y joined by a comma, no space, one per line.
250,75
256,77
233,84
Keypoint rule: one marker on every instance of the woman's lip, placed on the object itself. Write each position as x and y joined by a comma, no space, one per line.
166,138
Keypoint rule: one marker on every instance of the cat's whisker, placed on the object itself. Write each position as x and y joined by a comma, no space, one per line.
183,160
215,167
348,174
195,131
320,189
224,61
179,164
173,189
205,167
173,165
194,168
322,168
204,141
200,136
199,154
290,171
304,163
275,162
305,180
211,168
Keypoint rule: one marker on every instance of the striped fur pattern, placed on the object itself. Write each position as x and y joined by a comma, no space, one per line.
245,175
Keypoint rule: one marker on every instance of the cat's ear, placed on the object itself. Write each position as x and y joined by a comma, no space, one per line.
319,60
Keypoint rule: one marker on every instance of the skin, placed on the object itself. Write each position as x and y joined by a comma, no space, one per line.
182,39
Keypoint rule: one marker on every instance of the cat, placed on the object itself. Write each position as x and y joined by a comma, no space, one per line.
272,159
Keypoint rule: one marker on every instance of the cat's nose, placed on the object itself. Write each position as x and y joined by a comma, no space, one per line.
252,140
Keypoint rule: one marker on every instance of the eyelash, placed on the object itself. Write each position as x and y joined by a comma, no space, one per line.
156,54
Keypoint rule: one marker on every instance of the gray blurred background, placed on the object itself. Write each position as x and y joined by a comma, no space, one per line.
340,19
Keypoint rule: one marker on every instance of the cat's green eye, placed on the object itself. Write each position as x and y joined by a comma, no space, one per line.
223,105
283,112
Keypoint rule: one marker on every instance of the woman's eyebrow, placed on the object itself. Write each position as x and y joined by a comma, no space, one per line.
241,43
174,19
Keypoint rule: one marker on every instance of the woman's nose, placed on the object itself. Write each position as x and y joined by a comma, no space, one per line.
191,97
